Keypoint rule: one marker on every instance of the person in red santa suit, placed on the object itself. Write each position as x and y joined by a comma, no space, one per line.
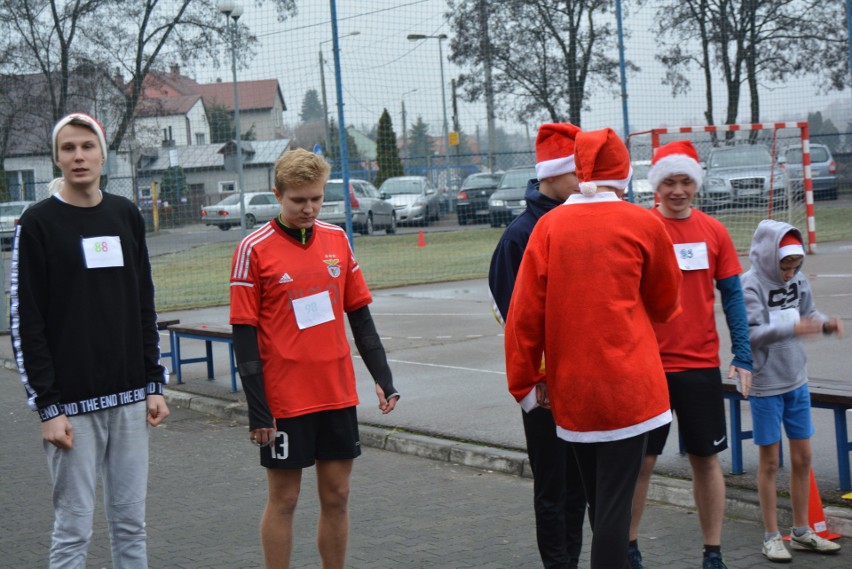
596,273
689,345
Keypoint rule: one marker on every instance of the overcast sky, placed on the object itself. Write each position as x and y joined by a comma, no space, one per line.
380,68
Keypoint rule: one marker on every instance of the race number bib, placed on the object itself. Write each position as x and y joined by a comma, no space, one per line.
691,256
786,316
101,252
312,310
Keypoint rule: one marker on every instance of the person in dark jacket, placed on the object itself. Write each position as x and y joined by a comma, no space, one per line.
558,498
84,333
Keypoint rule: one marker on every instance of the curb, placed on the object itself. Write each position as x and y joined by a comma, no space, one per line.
739,503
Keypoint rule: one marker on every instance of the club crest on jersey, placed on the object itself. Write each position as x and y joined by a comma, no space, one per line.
333,266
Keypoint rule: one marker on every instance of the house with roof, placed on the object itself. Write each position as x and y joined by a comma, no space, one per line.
171,121
261,102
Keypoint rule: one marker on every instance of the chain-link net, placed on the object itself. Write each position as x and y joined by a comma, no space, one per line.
435,90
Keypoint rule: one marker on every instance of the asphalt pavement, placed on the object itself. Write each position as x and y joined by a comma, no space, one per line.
453,492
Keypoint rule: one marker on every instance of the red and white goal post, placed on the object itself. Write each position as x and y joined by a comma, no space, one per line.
739,195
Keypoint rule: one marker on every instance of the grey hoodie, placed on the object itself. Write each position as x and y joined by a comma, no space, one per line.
779,356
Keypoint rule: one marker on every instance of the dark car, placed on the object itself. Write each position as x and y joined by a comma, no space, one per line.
823,171
472,199
508,202
742,175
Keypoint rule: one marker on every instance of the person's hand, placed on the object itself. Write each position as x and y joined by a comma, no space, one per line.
744,381
808,327
541,395
58,432
262,437
834,325
385,405
157,409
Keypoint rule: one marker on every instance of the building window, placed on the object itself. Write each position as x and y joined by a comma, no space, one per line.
21,185
200,139
227,187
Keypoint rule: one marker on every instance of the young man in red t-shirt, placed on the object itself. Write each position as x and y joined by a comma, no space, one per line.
292,280
689,344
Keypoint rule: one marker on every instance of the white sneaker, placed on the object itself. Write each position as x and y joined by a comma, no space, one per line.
774,550
812,542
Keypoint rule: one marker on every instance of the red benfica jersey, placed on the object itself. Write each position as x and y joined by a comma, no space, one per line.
307,369
691,341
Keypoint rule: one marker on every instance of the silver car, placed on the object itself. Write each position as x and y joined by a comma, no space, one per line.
741,175
414,199
10,213
370,212
260,207
823,171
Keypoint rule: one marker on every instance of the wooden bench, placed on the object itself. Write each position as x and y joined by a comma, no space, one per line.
825,394
208,333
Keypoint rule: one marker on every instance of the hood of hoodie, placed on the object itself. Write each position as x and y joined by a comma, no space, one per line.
537,203
765,249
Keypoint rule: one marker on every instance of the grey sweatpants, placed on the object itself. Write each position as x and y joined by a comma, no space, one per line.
114,444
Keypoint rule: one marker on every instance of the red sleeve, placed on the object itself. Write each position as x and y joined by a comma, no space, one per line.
727,261
357,294
661,277
245,287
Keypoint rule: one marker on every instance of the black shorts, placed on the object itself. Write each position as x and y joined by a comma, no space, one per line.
325,435
696,398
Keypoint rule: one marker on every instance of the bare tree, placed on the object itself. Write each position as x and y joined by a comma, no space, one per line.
544,54
92,45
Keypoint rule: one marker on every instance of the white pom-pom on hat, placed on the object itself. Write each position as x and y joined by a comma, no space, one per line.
588,189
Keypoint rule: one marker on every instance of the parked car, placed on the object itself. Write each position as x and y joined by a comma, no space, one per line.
472,198
823,171
741,175
260,207
508,202
369,211
10,213
414,199
643,193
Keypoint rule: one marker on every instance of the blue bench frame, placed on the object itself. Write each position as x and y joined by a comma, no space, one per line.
819,399
207,334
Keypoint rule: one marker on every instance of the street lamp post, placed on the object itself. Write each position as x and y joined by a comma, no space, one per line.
322,83
232,12
440,38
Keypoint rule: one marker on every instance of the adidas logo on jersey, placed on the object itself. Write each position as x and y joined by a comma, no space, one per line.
285,278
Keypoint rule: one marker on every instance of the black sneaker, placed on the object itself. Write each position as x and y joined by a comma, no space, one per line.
634,557
713,561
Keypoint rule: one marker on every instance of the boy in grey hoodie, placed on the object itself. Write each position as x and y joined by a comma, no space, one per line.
781,311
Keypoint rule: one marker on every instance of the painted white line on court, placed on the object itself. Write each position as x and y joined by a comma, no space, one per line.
443,366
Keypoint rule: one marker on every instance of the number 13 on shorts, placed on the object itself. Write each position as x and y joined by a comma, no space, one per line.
280,447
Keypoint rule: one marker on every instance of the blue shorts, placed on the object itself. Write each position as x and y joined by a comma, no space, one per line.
792,408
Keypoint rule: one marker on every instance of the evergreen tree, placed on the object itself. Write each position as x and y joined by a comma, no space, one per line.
387,153
173,185
332,153
420,144
221,127
311,107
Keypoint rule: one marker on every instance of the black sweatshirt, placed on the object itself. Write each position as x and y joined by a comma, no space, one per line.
85,339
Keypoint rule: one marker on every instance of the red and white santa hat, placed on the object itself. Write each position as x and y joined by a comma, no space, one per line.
602,160
678,157
554,149
82,120
790,245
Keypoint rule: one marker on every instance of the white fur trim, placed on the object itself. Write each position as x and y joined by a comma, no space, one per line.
554,167
615,434
617,184
675,164
791,250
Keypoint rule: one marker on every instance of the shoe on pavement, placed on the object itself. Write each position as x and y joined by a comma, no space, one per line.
774,550
634,557
812,542
713,561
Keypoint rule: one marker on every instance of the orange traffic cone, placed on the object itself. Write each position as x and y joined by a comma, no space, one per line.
421,240
816,517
